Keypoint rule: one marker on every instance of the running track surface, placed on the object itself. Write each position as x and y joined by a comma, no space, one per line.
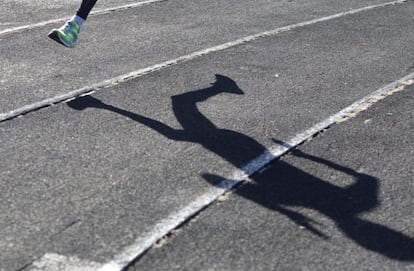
191,147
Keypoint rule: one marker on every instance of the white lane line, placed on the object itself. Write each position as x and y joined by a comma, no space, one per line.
174,220
54,262
138,73
93,13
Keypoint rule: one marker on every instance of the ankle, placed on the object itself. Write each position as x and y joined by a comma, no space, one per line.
78,20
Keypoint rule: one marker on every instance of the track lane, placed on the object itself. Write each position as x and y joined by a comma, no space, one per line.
185,27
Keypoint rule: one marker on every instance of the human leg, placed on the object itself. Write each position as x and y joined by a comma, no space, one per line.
86,8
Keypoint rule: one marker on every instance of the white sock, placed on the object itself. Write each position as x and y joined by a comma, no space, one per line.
78,20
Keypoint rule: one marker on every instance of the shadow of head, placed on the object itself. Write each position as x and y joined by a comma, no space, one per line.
225,84
81,103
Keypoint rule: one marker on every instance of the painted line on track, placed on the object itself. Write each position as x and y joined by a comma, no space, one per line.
63,19
174,220
141,72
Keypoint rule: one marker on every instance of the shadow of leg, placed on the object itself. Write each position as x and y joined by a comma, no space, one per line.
380,239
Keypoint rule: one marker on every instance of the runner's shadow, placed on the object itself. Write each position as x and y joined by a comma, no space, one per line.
283,185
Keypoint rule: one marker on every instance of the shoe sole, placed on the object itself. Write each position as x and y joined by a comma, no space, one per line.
54,36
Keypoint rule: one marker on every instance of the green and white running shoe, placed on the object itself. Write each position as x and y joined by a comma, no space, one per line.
67,34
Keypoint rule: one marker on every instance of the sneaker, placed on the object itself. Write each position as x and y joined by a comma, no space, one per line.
67,34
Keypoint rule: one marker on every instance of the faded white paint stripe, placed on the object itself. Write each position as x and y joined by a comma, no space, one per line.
138,73
174,220
54,262
63,19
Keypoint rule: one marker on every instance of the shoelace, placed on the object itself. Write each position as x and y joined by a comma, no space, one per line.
69,27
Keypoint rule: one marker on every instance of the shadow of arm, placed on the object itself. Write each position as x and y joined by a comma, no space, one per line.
85,102
156,125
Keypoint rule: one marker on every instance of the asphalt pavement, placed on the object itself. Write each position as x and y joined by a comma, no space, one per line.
130,175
